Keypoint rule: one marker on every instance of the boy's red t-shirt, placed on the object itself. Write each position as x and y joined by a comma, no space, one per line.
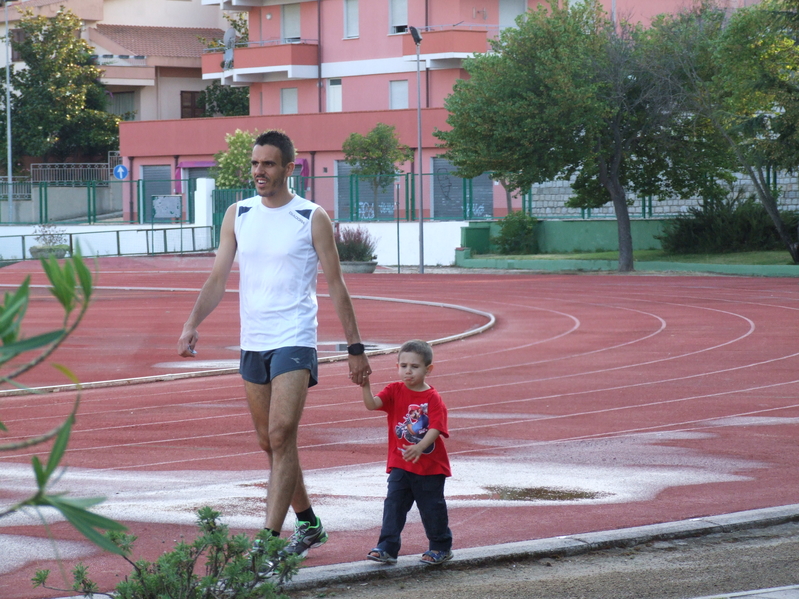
409,415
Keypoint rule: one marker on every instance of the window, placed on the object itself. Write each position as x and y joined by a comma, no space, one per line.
188,105
288,100
509,10
334,103
17,37
122,103
398,94
290,23
399,16
350,18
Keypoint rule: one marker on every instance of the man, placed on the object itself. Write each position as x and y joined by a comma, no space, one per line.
280,238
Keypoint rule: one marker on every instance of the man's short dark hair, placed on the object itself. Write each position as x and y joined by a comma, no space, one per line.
278,139
417,346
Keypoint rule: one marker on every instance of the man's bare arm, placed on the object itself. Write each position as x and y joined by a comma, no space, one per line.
325,245
213,290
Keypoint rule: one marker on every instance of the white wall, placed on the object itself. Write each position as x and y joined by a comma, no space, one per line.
160,13
440,240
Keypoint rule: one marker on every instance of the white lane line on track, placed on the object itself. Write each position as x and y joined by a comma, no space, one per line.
494,425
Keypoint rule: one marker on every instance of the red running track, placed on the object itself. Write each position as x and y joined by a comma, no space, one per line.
596,402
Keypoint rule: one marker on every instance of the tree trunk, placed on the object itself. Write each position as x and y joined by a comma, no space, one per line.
609,178
624,231
763,193
770,204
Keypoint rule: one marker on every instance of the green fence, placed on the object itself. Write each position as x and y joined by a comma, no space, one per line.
360,198
143,201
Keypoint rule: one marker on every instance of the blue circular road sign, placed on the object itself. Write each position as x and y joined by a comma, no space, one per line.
120,171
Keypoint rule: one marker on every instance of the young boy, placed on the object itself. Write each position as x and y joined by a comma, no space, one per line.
417,460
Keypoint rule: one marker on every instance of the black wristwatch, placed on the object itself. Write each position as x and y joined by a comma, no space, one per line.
356,349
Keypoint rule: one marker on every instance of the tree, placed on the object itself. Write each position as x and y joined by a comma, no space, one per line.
226,100
58,105
567,95
375,155
737,73
232,170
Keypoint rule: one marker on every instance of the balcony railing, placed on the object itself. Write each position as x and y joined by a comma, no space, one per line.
297,57
451,41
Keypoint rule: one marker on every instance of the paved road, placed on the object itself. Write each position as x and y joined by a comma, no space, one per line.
721,564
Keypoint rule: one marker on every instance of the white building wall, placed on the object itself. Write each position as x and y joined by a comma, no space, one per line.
161,13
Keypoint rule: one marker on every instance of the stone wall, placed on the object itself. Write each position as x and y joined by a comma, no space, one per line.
548,200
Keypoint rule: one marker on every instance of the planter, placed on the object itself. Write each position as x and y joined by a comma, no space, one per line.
358,267
44,251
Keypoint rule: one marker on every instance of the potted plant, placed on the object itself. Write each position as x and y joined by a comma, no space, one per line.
356,249
52,241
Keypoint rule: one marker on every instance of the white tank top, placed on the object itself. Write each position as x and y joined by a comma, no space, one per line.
278,265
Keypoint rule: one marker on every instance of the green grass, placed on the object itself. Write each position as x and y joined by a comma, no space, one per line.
747,258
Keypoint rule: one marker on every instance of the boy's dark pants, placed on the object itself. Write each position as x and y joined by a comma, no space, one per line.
428,491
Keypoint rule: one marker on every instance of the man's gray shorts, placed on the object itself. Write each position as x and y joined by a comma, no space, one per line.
260,367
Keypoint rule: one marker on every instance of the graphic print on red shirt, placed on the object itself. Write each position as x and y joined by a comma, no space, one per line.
410,414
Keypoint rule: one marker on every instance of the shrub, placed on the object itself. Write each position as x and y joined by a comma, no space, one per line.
233,165
230,572
517,234
49,235
355,244
733,224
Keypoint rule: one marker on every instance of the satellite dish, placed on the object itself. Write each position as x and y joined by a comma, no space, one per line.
230,43
230,38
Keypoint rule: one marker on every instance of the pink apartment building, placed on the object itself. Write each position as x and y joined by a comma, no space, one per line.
322,69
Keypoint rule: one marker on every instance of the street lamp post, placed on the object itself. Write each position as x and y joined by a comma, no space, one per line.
10,185
418,40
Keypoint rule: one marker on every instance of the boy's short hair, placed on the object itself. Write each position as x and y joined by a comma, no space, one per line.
417,346
278,139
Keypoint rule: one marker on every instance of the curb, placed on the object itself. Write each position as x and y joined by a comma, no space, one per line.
320,576
579,544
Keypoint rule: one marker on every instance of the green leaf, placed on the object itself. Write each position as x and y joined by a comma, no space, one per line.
41,477
40,578
62,281
86,522
60,446
13,310
14,349
67,373
84,275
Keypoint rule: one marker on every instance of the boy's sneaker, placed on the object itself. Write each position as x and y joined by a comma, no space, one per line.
306,537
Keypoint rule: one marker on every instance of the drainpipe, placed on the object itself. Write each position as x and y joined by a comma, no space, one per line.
130,189
313,174
426,69
319,52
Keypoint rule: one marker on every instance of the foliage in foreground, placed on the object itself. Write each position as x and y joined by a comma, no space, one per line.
229,571
72,286
735,224
517,234
355,244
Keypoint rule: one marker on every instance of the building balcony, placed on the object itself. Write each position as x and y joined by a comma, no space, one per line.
271,60
136,76
242,5
447,46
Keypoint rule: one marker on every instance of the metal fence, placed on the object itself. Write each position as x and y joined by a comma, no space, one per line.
359,198
143,201
119,242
